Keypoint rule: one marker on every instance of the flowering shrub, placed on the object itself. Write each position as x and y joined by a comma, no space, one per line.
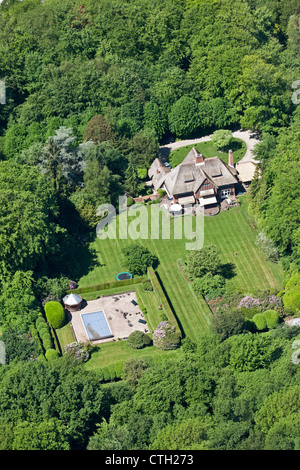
77,351
215,303
165,336
262,302
72,285
249,302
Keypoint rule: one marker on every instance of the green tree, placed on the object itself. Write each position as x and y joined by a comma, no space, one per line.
228,323
184,117
138,259
52,434
153,119
132,181
204,261
222,138
60,162
251,352
184,435
28,210
98,130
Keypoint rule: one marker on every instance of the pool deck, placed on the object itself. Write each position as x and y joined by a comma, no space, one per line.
122,316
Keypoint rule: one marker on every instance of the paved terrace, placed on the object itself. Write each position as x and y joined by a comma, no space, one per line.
122,316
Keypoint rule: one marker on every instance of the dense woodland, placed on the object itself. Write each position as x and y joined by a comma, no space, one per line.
92,90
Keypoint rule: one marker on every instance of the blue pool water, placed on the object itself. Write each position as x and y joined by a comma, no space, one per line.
96,325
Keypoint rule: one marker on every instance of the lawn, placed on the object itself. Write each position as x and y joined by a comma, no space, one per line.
208,149
232,231
119,351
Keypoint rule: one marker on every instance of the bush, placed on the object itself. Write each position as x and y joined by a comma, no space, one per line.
260,321
272,318
161,192
51,354
47,343
77,351
136,339
291,300
138,259
267,247
165,336
39,322
147,340
55,314
42,330
130,201
229,323
209,286
44,335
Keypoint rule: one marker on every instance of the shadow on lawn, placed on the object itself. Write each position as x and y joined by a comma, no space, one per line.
228,270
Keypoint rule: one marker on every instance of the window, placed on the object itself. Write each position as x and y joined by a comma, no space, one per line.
225,192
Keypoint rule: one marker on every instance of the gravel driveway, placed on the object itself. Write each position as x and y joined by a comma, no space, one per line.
248,137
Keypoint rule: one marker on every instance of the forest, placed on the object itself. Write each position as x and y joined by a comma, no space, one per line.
91,93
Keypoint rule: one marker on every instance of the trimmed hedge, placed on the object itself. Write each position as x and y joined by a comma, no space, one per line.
40,321
266,320
112,372
272,318
55,314
107,285
51,354
259,321
44,333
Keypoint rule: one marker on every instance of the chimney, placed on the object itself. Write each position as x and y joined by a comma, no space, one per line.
199,159
230,158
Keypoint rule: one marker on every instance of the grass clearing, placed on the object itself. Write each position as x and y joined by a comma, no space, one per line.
208,149
119,351
232,231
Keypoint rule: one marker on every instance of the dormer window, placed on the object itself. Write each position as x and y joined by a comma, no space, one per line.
217,173
189,178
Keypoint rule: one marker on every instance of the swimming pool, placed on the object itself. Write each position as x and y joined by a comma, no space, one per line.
96,325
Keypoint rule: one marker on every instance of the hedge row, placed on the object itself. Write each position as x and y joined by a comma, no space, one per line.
162,299
112,372
107,285
44,333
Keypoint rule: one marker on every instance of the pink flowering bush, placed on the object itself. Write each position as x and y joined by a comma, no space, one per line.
78,351
72,285
165,336
249,302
